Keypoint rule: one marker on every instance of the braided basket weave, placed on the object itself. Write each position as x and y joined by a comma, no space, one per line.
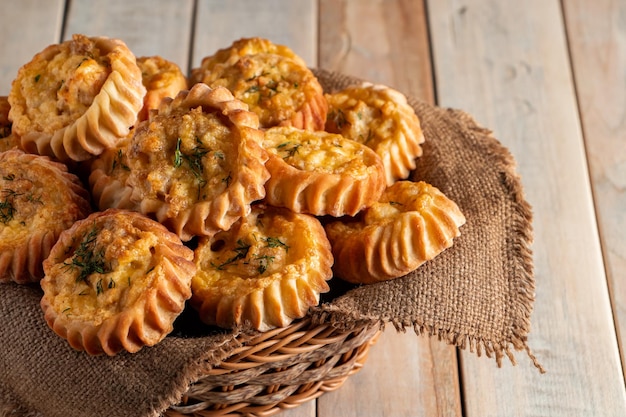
279,369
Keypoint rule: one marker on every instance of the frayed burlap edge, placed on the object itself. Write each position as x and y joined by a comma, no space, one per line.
341,314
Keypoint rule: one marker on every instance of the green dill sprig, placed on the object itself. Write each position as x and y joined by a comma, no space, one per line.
241,252
193,161
89,259
264,262
118,161
289,147
274,242
7,211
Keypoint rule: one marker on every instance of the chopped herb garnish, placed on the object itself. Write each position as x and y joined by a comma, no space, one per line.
9,177
99,289
395,203
119,161
88,259
37,78
274,242
290,151
264,262
241,251
193,160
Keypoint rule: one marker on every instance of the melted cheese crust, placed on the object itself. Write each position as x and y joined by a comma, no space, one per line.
273,86
58,85
26,204
317,151
128,260
183,157
268,269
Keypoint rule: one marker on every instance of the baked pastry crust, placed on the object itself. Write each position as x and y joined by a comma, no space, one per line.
196,165
39,199
321,173
271,79
116,281
162,78
381,118
266,271
411,224
7,139
238,49
75,99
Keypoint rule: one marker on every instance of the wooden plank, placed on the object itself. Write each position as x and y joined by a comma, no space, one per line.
387,42
44,21
597,37
291,23
148,27
286,22
380,41
506,62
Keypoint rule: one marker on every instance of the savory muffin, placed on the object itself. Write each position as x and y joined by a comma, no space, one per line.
195,165
75,99
39,199
162,78
116,281
380,118
321,173
271,80
266,271
410,224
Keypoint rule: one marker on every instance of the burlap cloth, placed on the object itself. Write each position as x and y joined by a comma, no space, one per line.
478,294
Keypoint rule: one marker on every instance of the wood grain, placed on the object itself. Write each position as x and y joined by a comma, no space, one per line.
597,38
44,22
148,27
291,23
387,42
507,64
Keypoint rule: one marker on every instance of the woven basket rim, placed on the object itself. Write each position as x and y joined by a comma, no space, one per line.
278,369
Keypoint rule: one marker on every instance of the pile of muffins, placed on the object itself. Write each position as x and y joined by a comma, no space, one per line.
130,190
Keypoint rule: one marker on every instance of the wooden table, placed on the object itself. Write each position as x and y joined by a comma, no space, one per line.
548,77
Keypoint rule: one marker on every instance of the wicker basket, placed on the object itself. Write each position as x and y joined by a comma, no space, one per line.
279,369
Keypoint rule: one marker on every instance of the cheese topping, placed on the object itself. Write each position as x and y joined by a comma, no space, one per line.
55,92
260,246
317,151
107,268
26,205
183,157
273,86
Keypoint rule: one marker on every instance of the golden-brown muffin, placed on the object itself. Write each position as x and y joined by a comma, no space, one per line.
162,78
39,199
75,99
271,79
410,224
116,281
7,139
381,118
321,173
196,165
266,271
240,48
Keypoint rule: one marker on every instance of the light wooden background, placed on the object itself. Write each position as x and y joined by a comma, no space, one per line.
547,76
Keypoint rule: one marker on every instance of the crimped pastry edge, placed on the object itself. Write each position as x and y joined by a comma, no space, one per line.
112,113
287,297
22,264
321,193
377,253
146,322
